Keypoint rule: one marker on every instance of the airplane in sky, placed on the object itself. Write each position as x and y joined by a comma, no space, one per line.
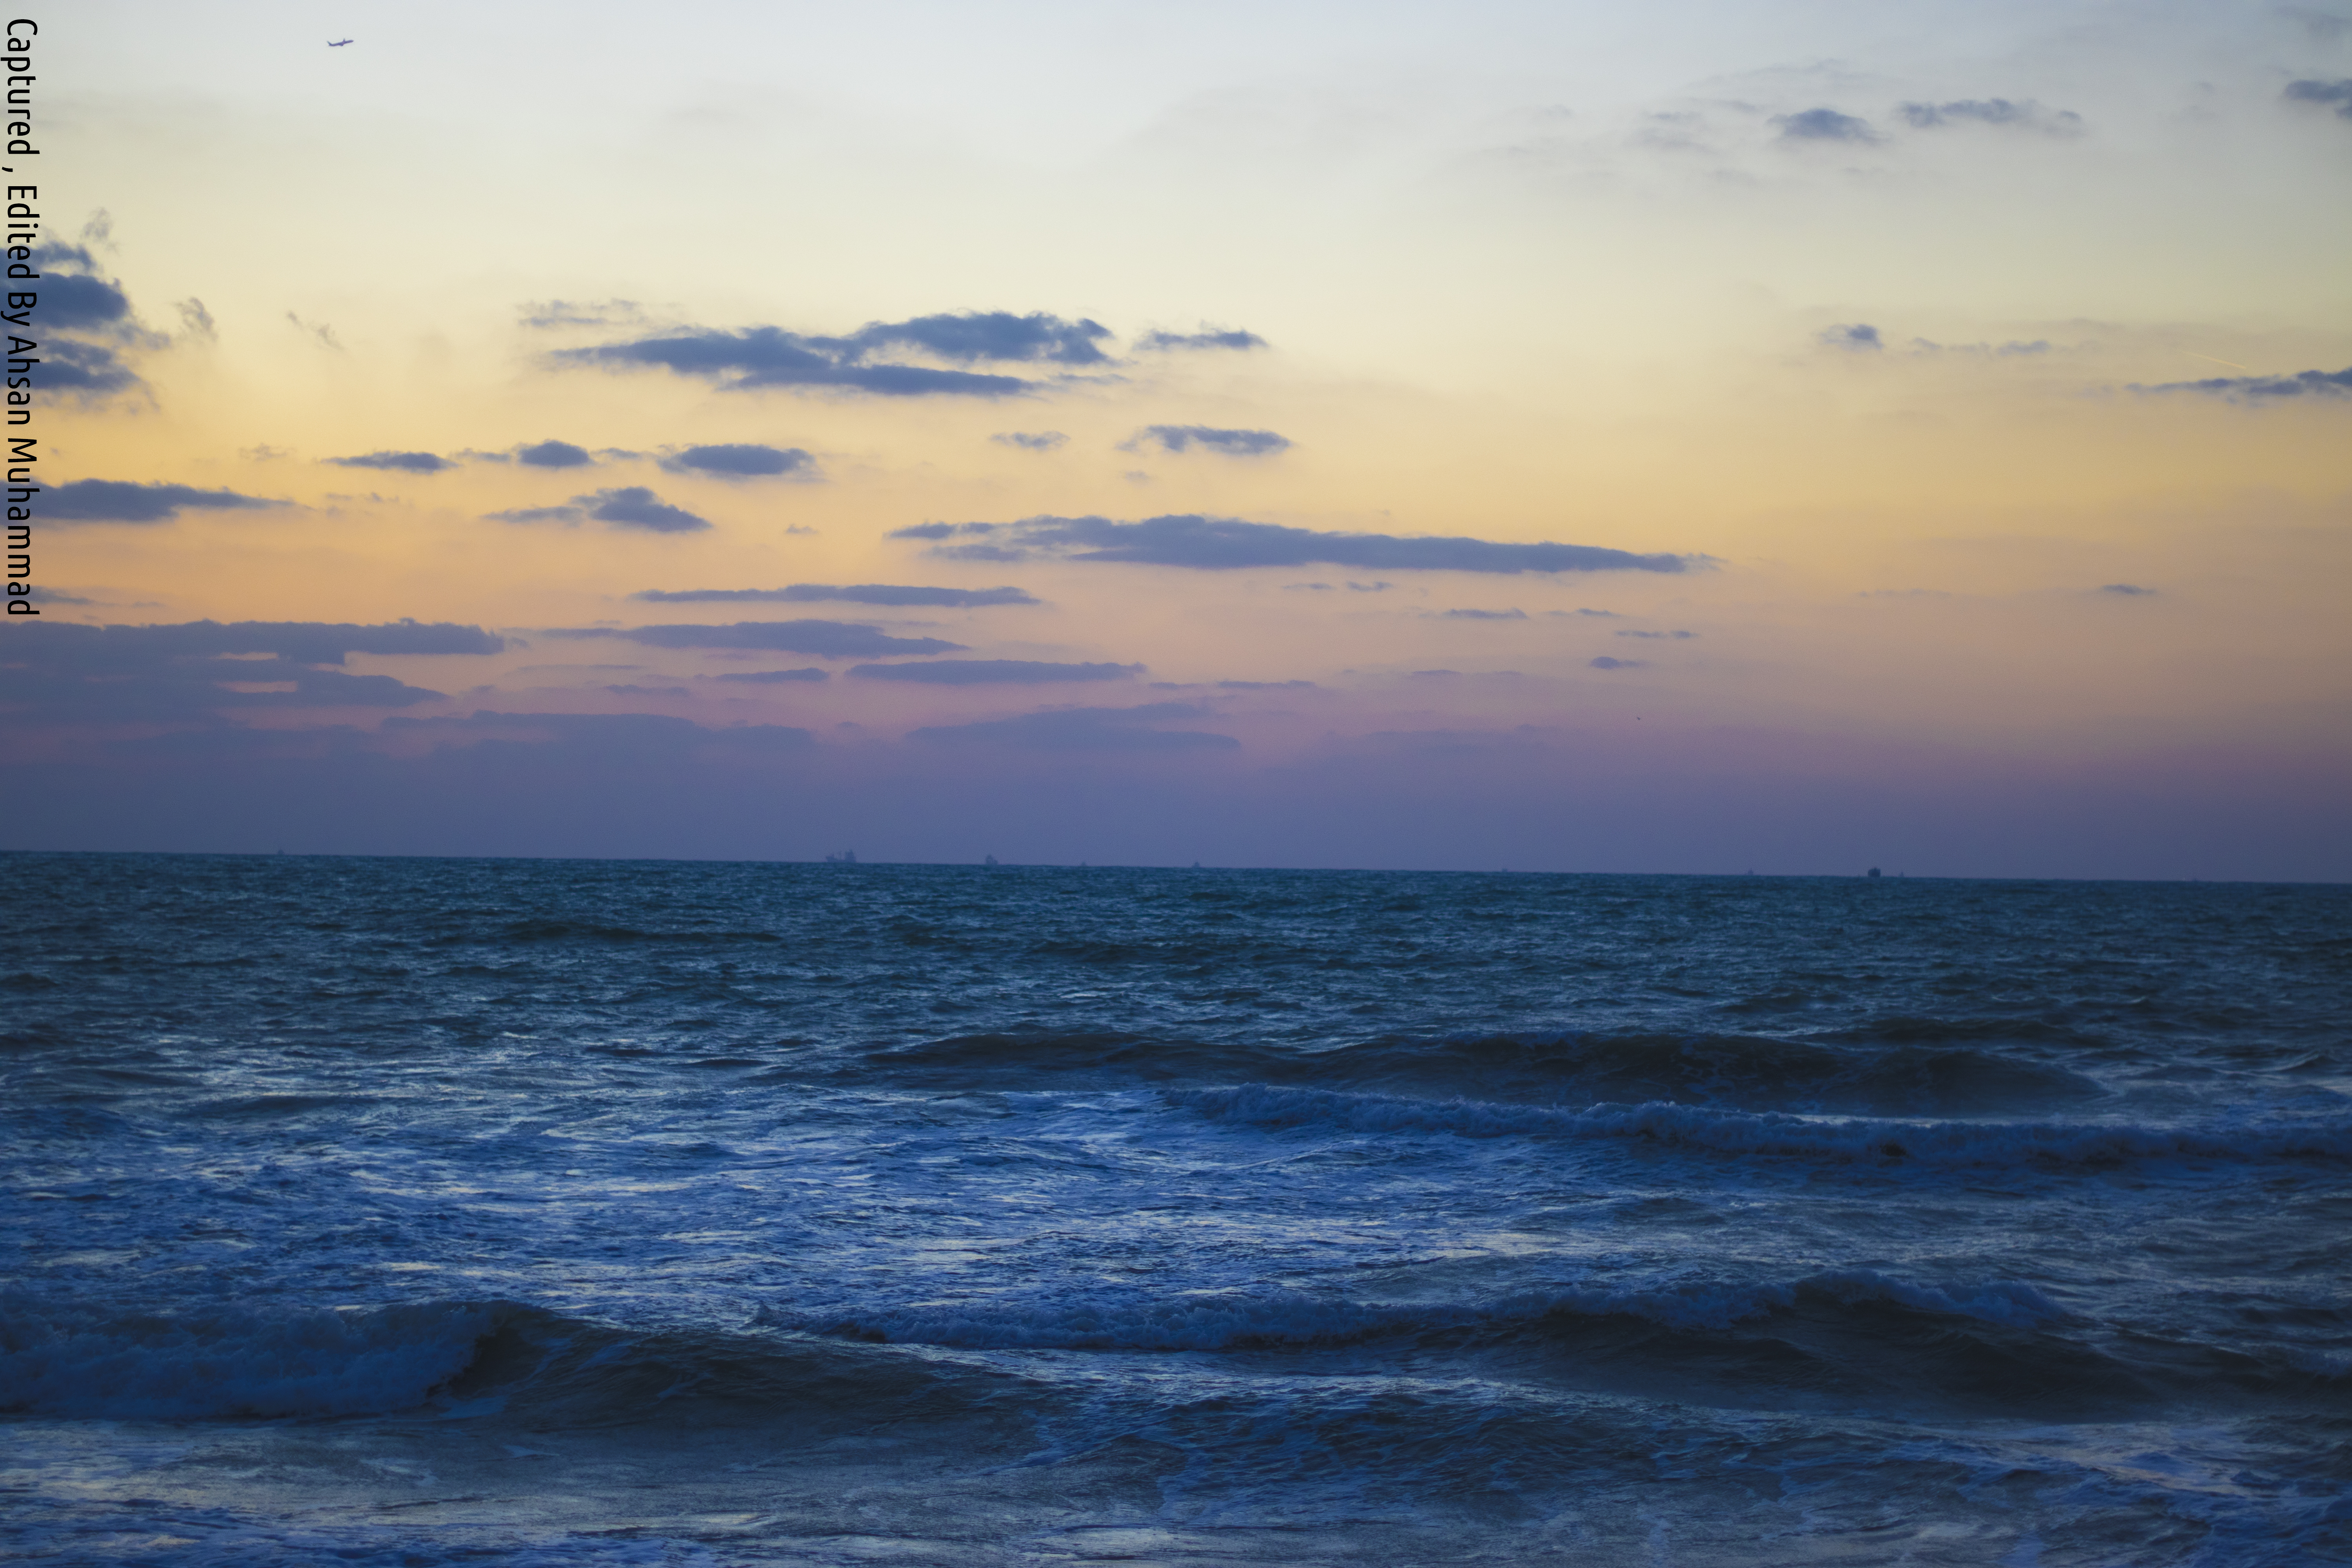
338,43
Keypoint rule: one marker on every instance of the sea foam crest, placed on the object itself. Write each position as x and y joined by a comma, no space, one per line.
68,1361
1774,1132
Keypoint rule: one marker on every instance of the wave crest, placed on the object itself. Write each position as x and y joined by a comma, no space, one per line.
1851,1139
230,1363
1290,1320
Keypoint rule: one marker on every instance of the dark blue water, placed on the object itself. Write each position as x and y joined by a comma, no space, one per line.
420,1212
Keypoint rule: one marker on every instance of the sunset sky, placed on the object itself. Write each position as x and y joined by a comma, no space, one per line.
1703,437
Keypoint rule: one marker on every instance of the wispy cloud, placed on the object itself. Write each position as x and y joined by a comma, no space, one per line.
399,462
1208,337
1231,443
631,506
1086,729
858,594
583,313
2026,115
764,356
2336,95
1224,544
2316,384
994,672
120,501
827,639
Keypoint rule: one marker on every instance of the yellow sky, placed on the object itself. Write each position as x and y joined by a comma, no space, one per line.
1879,325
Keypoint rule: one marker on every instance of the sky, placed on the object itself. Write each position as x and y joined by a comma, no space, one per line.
1704,437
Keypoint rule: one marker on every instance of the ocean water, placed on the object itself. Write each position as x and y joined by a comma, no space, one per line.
420,1212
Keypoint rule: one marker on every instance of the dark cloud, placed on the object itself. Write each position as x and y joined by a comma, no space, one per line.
53,254
741,461
86,324
1823,125
1605,662
1482,615
1858,335
772,676
2308,383
2336,94
1206,338
78,303
552,455
858,594
993,672
771,356
120,501
828,639
1086,729
2027,115
983,335
1232,443
194,670
632,505
1677,636
89,371
403,462
1222,543
2128,590
1031,440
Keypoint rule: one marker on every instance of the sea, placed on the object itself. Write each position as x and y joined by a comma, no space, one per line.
407,1212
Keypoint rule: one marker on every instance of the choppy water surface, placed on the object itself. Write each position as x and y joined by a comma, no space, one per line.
413,1211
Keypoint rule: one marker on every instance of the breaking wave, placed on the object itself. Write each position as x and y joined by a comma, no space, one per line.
76,1363
481,1356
